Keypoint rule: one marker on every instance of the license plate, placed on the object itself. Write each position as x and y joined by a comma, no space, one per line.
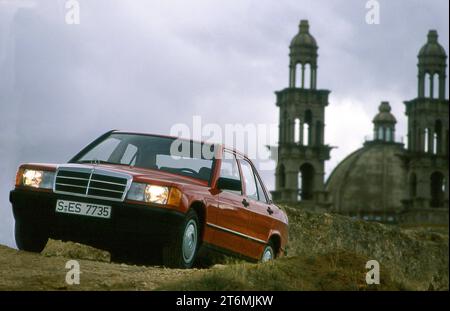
81,208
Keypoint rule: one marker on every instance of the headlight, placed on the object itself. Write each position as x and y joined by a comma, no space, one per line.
154,194
38,179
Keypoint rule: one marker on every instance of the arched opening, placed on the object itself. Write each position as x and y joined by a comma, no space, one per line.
297,130
307,77
306,182
306,134
413,185
425,140
435,145
427,83
437,189
437,137
307,128
388,134
281,176
380,133
435,88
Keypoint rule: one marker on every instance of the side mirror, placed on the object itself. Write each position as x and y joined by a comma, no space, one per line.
229,184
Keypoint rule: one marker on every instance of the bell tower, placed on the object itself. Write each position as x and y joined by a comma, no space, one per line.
427,151
301,149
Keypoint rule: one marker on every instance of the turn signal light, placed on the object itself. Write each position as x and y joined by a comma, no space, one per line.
174,197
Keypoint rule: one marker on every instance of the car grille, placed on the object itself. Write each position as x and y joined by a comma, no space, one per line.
92,182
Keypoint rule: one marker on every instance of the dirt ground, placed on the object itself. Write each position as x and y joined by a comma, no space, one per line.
47,271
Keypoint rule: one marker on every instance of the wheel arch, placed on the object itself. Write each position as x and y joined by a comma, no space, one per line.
200,208
275,239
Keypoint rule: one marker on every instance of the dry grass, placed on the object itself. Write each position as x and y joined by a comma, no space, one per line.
333,271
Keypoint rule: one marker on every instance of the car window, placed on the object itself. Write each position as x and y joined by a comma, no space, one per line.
249,180
104,150
261,195
167,154
230,169
129,156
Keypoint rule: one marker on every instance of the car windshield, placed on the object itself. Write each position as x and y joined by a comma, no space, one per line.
167,154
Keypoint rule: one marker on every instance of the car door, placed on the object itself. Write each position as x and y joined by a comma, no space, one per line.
231,219
258,210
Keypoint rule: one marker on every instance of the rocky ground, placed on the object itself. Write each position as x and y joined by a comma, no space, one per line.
326,252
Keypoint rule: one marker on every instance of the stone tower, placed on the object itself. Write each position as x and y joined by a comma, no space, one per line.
384,124
427,150
301,151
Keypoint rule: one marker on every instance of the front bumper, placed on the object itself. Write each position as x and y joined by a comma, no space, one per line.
130,224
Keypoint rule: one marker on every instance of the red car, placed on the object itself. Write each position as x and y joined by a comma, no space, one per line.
152,194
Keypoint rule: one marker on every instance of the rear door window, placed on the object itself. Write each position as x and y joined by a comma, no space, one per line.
229,169
261,194
251,189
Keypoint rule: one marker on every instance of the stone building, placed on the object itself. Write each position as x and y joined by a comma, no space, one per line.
383,180
370,182
301,151
427,153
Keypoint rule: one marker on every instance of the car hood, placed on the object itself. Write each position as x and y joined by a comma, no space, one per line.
147,175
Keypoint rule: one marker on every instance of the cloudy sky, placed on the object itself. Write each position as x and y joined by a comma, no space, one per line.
147,65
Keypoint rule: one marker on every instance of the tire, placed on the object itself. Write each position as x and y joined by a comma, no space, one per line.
182,251
268,253
29,237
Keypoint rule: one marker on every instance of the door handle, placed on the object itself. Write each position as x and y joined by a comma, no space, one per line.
269,210
245,203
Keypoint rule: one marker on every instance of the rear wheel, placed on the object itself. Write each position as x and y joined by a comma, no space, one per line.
29,237
268,253
182,250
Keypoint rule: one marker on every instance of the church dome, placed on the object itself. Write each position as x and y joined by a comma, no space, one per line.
303,38
432,48
384,114
370,182
303,46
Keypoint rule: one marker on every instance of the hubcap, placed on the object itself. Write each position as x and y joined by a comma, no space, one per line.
268,254
189,241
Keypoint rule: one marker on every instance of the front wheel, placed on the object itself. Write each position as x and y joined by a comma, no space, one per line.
182,251
29,237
